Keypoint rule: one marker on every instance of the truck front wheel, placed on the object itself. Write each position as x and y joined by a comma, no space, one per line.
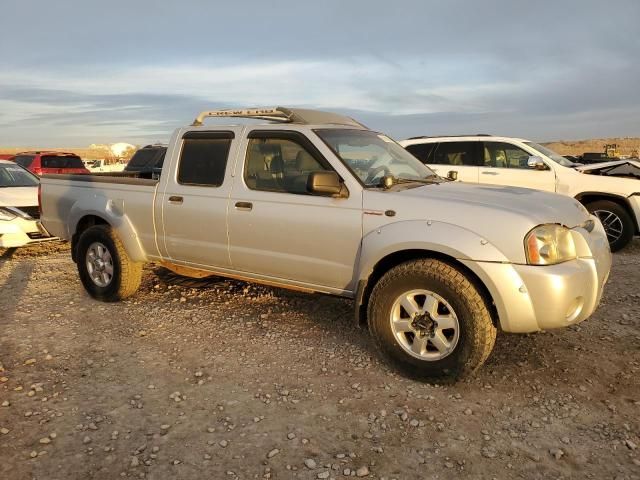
429,320
105,269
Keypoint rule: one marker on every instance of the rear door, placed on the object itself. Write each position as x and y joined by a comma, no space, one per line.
194,201
506,164
460,157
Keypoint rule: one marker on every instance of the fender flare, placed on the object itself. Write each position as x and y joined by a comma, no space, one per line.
431,237
112,212
441,237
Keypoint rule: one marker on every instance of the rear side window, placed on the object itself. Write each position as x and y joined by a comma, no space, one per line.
456,153
203,159
422,151
58,161
24,160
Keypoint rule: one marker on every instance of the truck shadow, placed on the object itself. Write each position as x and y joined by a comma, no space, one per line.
13,289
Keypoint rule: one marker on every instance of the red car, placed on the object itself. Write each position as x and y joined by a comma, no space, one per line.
6,156
50,162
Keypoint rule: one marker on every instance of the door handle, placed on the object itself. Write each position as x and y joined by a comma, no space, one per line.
489,173
175,199
244,205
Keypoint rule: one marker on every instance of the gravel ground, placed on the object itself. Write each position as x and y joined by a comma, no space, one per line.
243,381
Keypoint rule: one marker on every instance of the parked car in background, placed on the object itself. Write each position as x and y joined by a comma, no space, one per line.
51,162
19,211
7,156
101,165
315,201
612,196
147,161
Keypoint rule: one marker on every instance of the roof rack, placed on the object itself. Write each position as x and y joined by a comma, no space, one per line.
281,115
441,136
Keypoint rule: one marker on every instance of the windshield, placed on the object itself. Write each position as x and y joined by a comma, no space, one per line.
16,176
371,156
556,157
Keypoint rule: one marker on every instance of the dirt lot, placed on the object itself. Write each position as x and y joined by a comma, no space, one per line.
241,381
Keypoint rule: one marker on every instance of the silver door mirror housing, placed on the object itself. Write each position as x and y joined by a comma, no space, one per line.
536,163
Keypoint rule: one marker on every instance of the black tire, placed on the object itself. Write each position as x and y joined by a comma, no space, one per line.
127,274
476,335
171,278
607,211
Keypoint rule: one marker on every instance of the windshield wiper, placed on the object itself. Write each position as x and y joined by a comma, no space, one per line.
389,181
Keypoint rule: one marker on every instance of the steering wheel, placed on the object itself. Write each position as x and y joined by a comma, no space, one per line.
375,171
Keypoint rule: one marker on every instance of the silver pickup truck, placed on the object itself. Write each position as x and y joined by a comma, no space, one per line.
315,201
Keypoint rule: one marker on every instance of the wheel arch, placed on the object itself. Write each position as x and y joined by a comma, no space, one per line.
589,197
121,227
365,285
84,223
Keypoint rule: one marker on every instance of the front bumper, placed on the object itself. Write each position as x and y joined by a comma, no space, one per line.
20,232
530,298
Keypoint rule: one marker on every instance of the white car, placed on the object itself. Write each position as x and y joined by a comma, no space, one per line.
611,190
19,211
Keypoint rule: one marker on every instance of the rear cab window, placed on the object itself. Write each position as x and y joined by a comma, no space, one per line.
61,161
203,159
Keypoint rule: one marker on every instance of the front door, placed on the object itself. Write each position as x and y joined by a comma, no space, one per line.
279,230
506,164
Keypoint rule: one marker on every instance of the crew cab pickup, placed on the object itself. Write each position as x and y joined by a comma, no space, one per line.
314,201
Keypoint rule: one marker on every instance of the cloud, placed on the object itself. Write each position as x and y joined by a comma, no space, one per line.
90,72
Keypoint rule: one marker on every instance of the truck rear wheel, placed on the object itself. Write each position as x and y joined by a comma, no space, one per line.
616,221
429,320
105,269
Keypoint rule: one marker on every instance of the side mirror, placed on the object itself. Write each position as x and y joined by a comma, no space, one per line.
452,175
327,184
536,163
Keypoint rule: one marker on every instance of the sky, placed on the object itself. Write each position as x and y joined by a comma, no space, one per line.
74,73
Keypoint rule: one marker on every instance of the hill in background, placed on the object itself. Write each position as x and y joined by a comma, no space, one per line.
626,146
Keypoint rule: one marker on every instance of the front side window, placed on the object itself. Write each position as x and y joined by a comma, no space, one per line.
505,155
556,157
372,156
203,160
280,165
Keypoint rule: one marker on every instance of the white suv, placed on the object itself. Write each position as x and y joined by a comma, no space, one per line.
517,162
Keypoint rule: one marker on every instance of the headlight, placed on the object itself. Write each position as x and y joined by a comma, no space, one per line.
6,214
549,244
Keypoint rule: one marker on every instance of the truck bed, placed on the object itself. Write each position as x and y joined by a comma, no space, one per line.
120,199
